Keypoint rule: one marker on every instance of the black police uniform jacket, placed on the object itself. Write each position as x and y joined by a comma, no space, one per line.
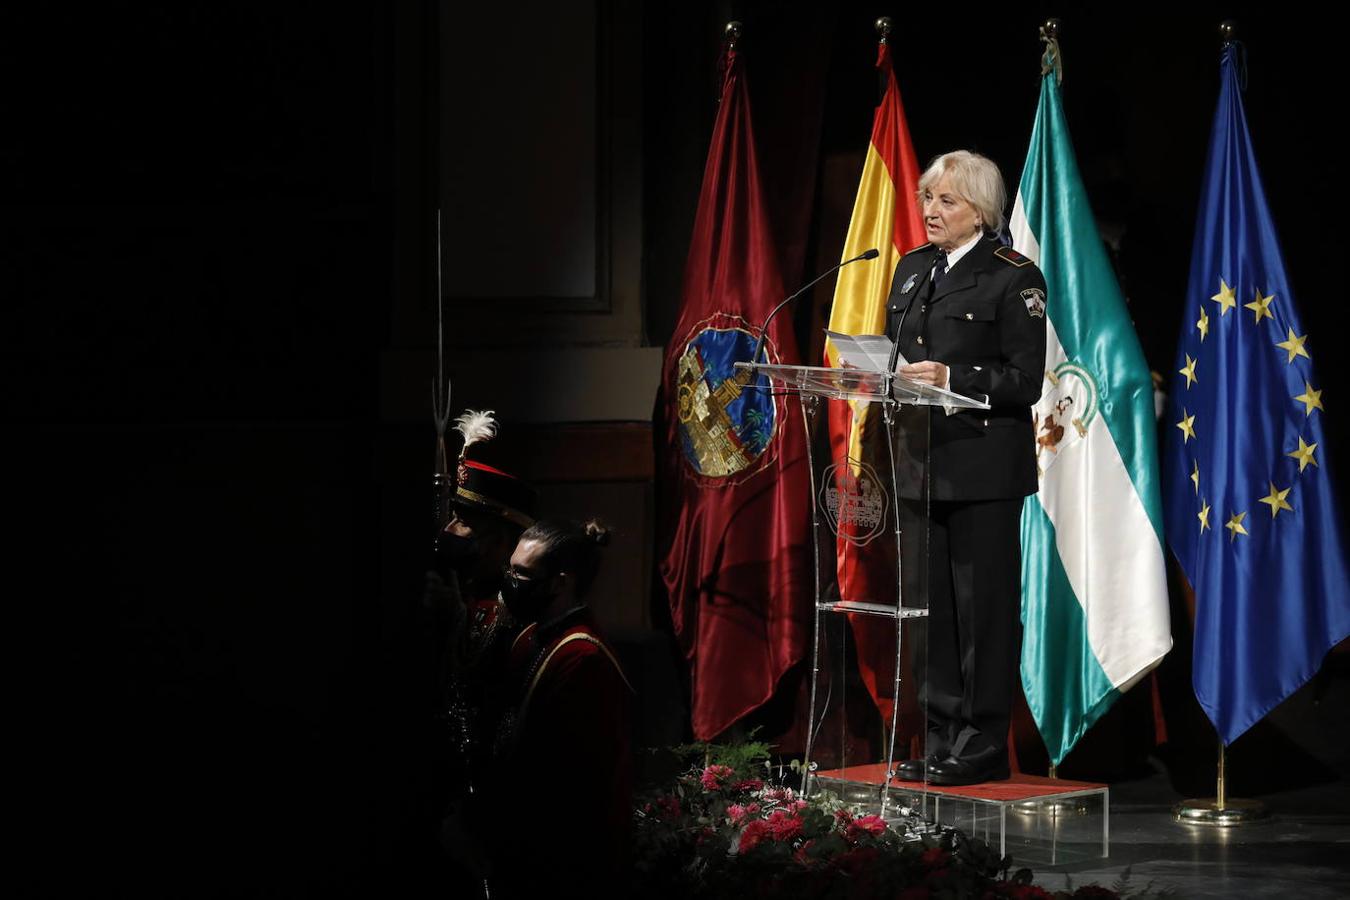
986,322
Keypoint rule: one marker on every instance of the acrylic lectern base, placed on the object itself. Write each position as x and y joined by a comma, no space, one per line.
1039,821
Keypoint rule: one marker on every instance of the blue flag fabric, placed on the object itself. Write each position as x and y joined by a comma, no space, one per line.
1249,507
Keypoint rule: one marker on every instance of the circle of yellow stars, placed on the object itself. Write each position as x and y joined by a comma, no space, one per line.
1311,398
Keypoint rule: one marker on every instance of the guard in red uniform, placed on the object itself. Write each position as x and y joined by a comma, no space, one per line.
488,510
562,753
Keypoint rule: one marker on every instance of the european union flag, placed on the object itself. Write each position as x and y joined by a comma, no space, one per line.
1249,508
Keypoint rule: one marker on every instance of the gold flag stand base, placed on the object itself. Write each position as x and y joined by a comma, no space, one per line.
1221,811
1209,812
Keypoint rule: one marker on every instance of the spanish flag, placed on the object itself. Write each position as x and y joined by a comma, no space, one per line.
886,216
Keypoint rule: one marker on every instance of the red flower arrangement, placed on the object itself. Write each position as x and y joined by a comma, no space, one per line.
724,832
715,777
737,813
869,825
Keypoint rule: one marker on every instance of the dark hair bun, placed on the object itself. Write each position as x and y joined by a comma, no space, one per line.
569,546
597,533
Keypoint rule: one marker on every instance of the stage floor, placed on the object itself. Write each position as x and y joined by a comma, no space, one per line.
1302,851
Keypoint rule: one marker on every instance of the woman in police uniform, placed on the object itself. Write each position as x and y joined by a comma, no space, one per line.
968,314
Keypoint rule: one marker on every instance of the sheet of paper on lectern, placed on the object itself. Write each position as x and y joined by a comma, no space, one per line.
864,351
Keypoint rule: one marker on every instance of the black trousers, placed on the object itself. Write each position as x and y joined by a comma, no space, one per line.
968,562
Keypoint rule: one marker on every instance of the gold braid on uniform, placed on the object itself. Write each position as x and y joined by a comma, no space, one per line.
512,720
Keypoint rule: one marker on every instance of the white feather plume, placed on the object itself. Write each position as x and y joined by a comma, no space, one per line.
476,426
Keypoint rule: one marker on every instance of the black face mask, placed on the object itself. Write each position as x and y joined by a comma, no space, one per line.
456,553
526,598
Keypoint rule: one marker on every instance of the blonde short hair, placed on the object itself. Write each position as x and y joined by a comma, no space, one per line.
977,181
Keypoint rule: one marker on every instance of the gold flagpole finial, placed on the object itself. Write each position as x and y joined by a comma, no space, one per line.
883,26
1227,31
1051,57
732,33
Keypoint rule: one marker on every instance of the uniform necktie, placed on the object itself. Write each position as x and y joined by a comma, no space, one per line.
939,268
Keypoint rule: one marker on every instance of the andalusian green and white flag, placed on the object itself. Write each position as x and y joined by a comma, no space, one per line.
1094,592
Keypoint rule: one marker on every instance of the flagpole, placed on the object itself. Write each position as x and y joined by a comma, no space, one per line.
1221,789
1221,810
1050,35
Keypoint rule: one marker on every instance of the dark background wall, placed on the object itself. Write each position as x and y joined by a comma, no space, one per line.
218,285
201,205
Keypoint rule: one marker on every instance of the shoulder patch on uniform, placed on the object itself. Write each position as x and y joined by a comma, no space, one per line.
1034,298
1012,257
917,249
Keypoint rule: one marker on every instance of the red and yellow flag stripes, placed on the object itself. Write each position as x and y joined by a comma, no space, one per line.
885,216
